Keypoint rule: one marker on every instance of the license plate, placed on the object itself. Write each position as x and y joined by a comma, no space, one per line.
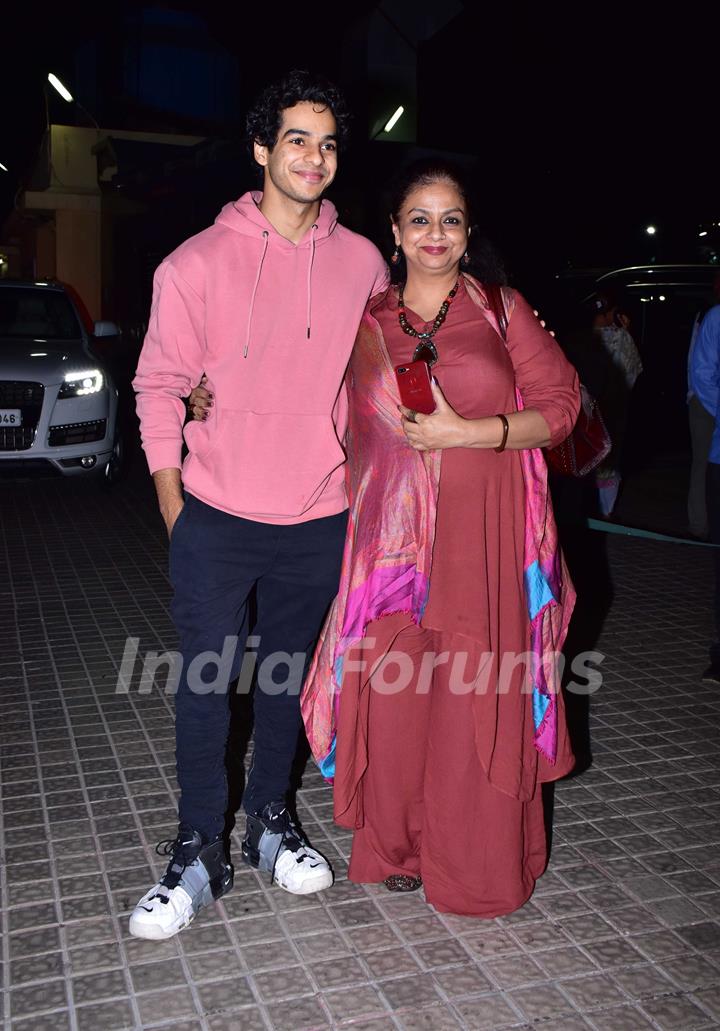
10,417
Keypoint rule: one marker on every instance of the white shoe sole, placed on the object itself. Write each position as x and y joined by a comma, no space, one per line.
309,886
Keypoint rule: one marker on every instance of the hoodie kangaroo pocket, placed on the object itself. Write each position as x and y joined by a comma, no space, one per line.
267,464
200,434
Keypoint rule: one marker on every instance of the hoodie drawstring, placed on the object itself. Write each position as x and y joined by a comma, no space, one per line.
309,278
266,238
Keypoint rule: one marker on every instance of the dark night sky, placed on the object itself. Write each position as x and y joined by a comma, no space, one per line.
590,120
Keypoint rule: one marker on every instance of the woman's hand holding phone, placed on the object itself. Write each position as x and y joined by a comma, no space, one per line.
443,428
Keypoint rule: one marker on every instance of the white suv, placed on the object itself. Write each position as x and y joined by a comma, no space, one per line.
58,405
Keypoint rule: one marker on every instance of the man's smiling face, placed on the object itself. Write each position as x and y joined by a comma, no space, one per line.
303,162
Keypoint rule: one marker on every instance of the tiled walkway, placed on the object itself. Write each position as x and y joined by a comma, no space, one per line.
623,931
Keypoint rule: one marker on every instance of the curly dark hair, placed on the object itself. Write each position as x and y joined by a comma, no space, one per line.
265,116
485,262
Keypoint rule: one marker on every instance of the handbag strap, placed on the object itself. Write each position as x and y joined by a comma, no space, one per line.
496,304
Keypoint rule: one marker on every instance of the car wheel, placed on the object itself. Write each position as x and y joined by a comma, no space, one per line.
115,469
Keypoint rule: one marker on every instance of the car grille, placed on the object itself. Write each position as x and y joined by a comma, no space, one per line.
16,438
28,397
77,433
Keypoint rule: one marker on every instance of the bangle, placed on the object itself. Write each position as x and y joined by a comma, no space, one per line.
506,430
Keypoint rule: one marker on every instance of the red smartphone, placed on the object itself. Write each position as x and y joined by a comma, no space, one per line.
415,388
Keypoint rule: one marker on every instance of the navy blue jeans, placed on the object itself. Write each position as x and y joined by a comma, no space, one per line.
215,561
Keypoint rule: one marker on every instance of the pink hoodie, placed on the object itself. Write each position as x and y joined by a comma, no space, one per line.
272,325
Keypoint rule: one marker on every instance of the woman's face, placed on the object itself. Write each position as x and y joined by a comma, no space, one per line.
432,228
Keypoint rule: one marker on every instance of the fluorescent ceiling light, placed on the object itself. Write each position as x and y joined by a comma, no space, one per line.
64,93
395,118
4,168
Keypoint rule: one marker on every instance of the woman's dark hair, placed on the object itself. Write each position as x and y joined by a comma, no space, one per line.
484,261
265,116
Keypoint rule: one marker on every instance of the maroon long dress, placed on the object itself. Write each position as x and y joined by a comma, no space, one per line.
441,779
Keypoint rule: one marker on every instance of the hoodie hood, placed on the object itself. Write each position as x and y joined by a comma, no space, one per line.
244,216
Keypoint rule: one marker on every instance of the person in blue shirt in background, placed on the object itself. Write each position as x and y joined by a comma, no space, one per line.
701,424
705,385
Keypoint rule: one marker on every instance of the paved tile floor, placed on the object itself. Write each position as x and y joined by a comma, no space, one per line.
623,931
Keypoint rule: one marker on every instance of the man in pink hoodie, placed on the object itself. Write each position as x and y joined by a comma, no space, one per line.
266,303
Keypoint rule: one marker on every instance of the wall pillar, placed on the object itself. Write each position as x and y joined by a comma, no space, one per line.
78,251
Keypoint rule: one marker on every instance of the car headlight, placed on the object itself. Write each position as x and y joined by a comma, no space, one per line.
78,384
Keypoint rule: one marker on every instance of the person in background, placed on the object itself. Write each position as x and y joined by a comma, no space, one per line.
702,426
612,328
705,385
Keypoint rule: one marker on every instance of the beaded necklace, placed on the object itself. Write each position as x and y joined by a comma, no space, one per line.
439,318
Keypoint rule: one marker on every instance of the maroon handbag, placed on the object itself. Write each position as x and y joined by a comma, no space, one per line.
589,443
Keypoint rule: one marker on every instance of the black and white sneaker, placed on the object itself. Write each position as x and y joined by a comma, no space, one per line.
273,842
197,875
